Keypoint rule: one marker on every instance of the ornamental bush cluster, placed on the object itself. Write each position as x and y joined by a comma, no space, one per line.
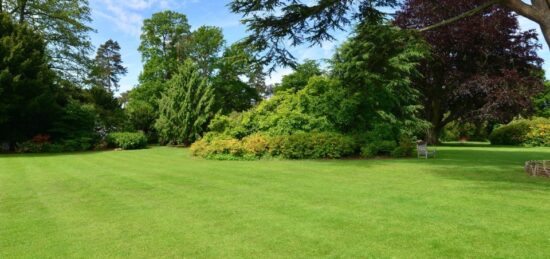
534,132
127,140
315,145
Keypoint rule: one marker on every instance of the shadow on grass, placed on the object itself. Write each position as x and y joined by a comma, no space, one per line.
499,166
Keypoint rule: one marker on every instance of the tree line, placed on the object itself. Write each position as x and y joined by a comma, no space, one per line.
428,67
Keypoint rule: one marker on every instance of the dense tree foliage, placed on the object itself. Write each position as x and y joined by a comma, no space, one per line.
240,80
273,24
481,68
298,79
186,107
162,45
542,102
28,95
64,26
204,47
382,74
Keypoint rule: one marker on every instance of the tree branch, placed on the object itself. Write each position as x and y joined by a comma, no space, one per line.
462,16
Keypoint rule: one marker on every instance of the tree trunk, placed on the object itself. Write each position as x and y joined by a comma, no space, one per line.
545,28
434,133
22,10
538,11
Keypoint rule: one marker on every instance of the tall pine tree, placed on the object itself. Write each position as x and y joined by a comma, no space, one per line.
107,67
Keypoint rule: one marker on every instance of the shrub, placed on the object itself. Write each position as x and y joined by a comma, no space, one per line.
313,146
531,132
539,133
256,145
127,140
225,147
296,146
512,134
379,148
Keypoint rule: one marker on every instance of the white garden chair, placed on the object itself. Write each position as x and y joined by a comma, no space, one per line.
423,151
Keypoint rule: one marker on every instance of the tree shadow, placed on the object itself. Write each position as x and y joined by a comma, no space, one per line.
498,166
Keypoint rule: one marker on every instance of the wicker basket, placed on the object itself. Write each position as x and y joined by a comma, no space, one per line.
538,168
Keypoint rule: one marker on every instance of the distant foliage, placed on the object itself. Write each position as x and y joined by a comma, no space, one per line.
186,108
127,140
323,105
298,79
535,132
542,102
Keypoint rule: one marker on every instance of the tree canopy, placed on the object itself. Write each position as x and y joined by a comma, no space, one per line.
65,27
28,95
274,25
481,68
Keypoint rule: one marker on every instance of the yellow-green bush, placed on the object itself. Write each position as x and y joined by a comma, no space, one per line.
296,146
534,132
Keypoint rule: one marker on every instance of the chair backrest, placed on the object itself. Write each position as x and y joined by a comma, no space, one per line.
422,148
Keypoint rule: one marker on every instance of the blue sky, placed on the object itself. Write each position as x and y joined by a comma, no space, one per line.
121,20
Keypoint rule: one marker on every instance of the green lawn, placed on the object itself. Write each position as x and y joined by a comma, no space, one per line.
160,202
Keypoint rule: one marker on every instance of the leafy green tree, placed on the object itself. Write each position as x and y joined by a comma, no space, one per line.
542,102
300,77
163,45
186,107
64,25
382,74
28,96
107,66
204,47
141,116
240,81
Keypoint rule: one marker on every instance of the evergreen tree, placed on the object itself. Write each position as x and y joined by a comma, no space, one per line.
382,74
107,66
186,108
28,96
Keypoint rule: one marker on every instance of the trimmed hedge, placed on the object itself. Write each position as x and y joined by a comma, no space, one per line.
535,132
127,140
296,146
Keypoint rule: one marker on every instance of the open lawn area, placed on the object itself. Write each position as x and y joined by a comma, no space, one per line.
471,201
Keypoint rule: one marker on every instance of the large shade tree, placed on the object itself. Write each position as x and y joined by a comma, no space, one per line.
481,68
162,40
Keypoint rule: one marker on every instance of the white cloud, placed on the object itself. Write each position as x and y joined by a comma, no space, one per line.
277,76
127,15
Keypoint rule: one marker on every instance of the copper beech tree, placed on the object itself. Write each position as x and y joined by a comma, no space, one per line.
482,68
